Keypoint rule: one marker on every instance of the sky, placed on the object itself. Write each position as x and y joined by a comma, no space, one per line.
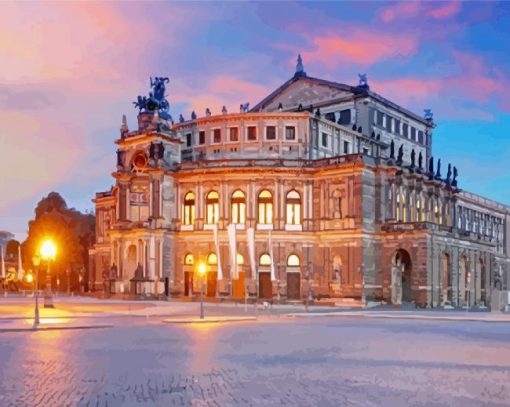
70,70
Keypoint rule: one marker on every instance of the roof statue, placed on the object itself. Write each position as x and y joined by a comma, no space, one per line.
431,168
244,107
413,159
428,115
124,127
363,81
300,69
193,115
208,112
455,175
224,110
438,172
420,161
400,156
449,174
181,118
156,100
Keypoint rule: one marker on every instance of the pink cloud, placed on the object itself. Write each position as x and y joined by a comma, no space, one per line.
358,46
412,9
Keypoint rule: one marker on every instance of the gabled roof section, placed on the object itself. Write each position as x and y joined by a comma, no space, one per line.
340,86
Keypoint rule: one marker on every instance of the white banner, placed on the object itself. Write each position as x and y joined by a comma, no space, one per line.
250,235
20,266
217,244
273,274
231,229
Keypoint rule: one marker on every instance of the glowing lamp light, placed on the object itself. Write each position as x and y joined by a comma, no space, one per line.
48,250
29,278
201,269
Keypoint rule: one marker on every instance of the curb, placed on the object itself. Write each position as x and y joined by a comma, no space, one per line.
215,320
415,317
55,328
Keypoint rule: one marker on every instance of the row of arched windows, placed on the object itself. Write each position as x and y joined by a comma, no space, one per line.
411,206
265,213
264,260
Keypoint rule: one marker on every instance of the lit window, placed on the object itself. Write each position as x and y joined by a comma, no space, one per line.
293,214
212,204
265,260
188,260
188,215
293,261
265,205
238,207
240,259
201,137
212,259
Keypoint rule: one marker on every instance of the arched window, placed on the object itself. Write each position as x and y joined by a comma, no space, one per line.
264,260
188,260
265,205
419,208
240,259
212,207
212,259
293,261
188,213
238,207
293,214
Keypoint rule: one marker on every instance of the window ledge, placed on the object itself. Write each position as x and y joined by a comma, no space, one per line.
240,226
297,228
263,226
187,227
209,226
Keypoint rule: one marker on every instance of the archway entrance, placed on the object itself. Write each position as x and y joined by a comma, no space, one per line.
293,277
401,270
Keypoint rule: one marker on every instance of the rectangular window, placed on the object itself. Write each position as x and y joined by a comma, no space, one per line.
252,133
217,136
380,116
330,117
365,151
405,130
188,140
201,137
347,147
397,126
389,121
345,116
413,134
234,134
270,133
290,133
324,139
420,137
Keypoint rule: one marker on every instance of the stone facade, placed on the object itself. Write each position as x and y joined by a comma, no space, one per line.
334,212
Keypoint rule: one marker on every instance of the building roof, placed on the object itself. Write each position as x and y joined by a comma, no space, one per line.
356,91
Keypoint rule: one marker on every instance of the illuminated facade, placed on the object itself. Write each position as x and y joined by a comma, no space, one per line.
335,184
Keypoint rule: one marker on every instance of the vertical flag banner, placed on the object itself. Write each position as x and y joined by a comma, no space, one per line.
3,261
273,274
20,266
250,235
233,250
217,244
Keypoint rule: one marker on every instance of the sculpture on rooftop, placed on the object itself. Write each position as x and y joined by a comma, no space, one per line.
300,69
449,174
413,158
455,174
431,168
363,81
400,156
428,114
438,171
156,100
420,161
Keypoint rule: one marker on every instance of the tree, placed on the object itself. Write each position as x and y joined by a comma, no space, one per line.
71,231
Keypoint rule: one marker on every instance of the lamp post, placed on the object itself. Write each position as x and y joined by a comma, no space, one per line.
48,252
201,273
36,260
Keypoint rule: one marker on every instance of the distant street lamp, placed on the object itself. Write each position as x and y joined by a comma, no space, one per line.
201,273
36,260
48,252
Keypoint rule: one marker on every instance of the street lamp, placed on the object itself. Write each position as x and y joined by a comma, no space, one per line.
36,260
48,251
201,273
